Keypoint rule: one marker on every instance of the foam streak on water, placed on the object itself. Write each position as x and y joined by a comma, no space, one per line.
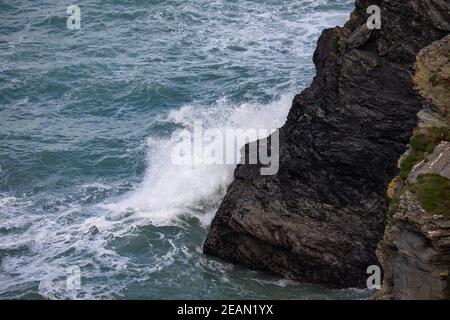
85,173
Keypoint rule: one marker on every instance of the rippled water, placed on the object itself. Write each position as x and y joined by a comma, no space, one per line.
86,117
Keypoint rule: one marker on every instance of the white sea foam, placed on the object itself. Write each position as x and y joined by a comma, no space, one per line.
170,190
7,201
45,233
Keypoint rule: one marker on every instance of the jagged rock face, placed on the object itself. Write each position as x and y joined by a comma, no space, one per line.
438,11
415,250
415,254
432,80
320,218
437,163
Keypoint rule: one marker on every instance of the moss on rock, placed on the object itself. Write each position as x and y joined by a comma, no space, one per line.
426,139
408,163
433,192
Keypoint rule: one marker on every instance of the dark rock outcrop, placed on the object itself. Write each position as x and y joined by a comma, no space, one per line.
319,219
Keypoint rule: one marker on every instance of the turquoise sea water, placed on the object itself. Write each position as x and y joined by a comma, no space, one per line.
86,118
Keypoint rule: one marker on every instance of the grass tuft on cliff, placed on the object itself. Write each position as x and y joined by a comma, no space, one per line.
409,162
427,141
422,143
433,192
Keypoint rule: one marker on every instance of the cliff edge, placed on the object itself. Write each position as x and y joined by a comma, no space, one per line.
319,219
415,251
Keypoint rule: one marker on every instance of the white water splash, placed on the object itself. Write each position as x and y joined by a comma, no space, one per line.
170,190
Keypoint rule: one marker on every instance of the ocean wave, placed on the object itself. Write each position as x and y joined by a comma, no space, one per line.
171,190
85,173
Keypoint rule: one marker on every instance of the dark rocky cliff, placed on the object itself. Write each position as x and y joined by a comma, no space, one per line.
320,218
415,250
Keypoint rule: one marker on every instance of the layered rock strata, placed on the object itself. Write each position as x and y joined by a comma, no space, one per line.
415,250
319,219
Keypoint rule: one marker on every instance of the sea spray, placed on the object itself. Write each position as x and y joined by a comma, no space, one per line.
86,122
169,189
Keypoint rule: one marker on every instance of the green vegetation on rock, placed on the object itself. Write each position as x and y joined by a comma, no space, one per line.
426,141
409,162
434,79
433,192
394,204
422,143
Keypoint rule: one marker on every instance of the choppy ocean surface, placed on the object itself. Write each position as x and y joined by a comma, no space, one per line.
86,119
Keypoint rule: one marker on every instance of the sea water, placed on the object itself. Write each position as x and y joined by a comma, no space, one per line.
86,181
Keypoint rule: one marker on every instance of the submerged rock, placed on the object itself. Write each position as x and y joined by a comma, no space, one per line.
319,219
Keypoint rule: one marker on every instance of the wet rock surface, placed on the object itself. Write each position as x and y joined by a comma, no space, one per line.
319,219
